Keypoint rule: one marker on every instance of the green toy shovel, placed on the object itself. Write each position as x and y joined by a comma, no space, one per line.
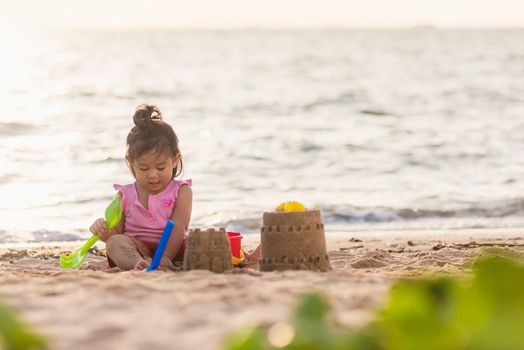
113,215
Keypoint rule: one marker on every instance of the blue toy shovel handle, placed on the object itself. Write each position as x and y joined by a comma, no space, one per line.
161,246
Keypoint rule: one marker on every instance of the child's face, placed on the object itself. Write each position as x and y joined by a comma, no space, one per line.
153,171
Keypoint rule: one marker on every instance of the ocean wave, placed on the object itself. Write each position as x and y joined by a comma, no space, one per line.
344,98
349,215
64,203
7,237
501,214
374,112
107,160
54,236
15,128
499,209
244,225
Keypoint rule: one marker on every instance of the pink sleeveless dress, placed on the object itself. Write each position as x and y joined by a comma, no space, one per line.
148,224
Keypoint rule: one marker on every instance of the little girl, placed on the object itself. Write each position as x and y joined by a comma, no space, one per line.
154,158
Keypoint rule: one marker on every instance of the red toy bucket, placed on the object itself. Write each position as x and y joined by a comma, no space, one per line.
235,243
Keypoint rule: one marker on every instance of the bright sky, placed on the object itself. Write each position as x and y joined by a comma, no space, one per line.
149,14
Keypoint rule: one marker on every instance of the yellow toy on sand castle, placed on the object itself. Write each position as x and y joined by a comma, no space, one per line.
290,206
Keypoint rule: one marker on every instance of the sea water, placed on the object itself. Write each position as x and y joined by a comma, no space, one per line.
380,129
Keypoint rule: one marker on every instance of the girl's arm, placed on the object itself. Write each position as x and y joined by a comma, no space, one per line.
181,217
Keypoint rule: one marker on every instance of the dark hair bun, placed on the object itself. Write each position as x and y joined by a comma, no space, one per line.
147,116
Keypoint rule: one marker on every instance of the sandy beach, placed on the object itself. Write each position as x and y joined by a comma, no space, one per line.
96,308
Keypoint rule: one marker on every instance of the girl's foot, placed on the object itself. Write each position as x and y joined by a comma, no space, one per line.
124,253
142,264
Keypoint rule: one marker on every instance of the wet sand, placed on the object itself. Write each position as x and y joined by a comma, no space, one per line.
93,307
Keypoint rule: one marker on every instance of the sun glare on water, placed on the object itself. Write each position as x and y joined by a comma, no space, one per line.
24,76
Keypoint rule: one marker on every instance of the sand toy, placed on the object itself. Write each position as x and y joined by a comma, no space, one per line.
293,240
235,243
290,206
113,214
159,252
208,250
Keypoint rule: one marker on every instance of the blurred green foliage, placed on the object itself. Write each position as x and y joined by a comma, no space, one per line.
483,312
16,335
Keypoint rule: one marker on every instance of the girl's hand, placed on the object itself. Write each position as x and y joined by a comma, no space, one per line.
166,263
99,228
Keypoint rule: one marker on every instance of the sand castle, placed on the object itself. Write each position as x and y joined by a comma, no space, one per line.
208,250
293,241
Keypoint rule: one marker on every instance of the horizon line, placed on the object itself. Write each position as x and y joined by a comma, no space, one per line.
428,27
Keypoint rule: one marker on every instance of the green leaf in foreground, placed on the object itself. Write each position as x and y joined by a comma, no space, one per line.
16,335
252,338
311,330
484,312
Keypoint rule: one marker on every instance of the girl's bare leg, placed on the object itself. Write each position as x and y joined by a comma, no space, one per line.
126,253
251,258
